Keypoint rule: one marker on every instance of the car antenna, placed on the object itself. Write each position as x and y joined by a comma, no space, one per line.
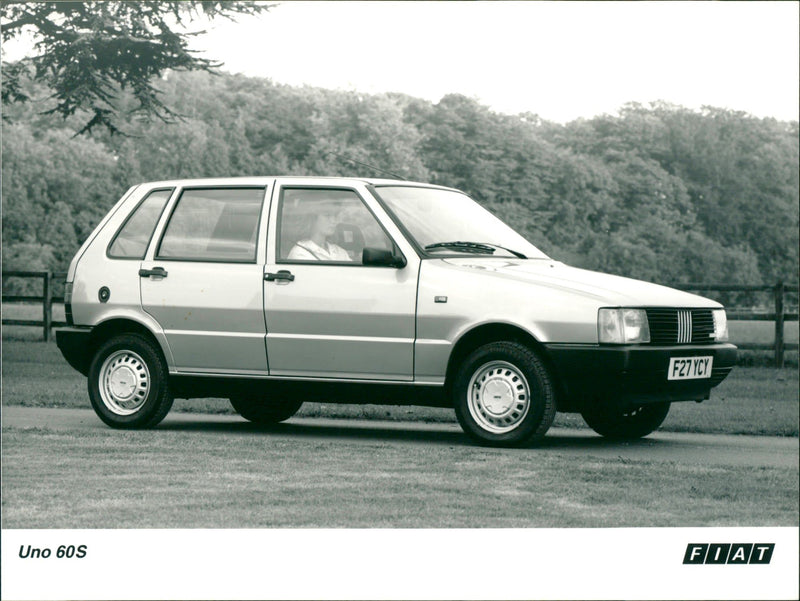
346,158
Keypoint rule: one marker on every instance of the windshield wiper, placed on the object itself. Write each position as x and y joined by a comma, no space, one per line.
516,253
470,247
475,247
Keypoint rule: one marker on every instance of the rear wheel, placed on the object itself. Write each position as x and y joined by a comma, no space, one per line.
504,395
265,412
128,384
628,424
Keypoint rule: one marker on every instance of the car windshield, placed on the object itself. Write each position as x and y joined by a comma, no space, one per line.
448,222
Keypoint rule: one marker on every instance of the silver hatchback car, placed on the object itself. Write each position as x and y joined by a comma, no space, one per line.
272,291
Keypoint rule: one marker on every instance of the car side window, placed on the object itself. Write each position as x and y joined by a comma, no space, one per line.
326,225
133,237
214,224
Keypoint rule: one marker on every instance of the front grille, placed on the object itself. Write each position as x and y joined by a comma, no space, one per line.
681,326
702,326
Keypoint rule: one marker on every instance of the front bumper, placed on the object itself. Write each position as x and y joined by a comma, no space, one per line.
74,345
628,376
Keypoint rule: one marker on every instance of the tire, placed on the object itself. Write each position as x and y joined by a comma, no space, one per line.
260,411
128,384
629,424
504,395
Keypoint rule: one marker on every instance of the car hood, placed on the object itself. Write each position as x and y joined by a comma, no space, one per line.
608,290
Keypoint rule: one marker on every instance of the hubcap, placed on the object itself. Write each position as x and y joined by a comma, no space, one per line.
124,382
498,397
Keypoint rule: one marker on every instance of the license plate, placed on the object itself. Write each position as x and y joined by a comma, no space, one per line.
689,368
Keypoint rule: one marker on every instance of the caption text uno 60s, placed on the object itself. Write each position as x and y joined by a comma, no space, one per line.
62,552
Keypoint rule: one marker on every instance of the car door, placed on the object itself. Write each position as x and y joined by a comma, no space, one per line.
203,280
328,315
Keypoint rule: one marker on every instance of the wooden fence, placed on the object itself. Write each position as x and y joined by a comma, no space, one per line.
47,298
780,316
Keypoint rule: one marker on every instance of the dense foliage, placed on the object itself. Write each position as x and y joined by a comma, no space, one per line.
88,52
657,192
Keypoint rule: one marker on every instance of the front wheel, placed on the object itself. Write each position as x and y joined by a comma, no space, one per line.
629,424
260,411
128,384
504,395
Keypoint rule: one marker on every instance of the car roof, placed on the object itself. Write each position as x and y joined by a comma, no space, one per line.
290,179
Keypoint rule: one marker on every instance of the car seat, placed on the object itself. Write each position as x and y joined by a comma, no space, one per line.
351,238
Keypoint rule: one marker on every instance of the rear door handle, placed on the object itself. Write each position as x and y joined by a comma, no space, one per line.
283,275
157,271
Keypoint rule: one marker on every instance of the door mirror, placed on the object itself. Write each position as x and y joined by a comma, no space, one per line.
379,257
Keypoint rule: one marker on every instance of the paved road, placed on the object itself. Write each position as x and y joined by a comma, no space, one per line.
706,449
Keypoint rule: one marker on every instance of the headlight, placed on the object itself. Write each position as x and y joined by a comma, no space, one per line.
720,325
622,326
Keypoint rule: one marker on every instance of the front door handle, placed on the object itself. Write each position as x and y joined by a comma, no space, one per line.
283,275
156,271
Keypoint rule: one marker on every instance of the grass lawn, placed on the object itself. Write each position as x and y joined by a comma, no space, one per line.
761,331
752,400
243,477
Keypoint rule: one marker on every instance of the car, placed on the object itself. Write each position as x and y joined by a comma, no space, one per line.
274,291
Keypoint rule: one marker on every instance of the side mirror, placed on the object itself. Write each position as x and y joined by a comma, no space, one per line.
379,257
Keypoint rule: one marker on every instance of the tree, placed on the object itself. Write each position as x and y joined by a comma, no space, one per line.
661,192
55,189
727,176
365,135
90,52
461,146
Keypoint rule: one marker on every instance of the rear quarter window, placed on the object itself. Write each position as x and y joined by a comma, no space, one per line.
133,238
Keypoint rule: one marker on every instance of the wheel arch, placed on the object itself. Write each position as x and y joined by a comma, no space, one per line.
123,325
497,332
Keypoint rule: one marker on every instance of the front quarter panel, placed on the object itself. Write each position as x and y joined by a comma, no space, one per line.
456,299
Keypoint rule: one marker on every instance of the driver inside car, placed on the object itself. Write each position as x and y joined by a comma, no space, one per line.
317,246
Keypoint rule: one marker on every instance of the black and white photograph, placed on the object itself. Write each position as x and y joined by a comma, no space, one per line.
400,300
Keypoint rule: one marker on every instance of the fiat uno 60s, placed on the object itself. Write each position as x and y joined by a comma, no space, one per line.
273,291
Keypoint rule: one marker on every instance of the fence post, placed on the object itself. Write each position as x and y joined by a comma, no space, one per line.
47,304
779,342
